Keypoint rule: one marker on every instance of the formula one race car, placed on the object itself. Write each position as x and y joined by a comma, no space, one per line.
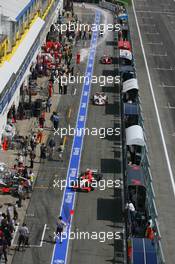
86,181
106,59
101,33
100,99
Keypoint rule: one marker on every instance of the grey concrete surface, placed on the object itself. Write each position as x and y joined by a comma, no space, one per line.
156,20
46,200
100,210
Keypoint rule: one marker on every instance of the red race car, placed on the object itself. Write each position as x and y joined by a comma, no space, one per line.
106,59
86,180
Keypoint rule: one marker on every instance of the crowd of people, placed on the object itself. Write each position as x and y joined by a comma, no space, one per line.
22,171
8,223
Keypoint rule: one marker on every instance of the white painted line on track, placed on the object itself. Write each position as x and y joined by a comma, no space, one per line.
153,43
43,234
164,69
75,91
170,106
147,25
156,12
166,85
169,86
158,55
155,104
147,17
30,246
171,134
151,33
16,230
171,15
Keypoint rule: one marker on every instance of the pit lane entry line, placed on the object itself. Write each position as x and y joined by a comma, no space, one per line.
60,251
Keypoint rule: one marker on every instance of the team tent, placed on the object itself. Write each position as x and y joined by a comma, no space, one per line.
135,136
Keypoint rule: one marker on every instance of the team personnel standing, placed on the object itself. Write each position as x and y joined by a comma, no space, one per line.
60,228
23,236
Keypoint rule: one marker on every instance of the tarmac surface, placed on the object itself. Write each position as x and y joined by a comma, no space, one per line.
96,211
102,210
156,20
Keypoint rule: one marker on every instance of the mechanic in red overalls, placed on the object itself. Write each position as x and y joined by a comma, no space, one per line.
78,58
50,89
56,54
149,232
78,61
60,56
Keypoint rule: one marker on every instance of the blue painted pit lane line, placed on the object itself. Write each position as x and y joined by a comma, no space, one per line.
61,250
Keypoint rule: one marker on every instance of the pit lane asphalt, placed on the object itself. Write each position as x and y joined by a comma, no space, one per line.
46,201
96,211
156,20
100,210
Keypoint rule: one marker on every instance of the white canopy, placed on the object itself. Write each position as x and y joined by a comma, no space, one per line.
126,54
130,84
134,136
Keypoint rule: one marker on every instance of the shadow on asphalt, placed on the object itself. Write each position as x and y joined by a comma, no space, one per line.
115,60
115,226
112,109
109,89
118,252
117,154
112,73
114,135
111,43
110,166
106,210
